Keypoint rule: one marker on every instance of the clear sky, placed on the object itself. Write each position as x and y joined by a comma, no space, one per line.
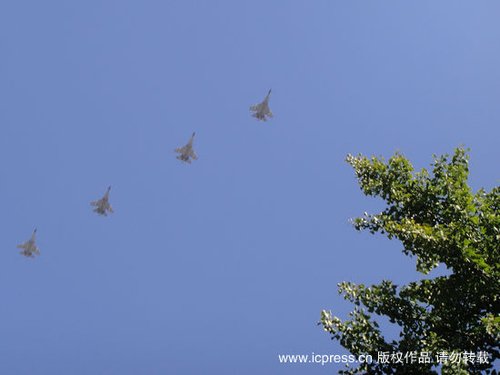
218,266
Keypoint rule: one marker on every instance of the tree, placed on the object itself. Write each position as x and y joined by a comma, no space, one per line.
439,220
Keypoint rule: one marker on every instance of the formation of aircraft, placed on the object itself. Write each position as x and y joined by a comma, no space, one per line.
29,248
261,112
102,206
186,153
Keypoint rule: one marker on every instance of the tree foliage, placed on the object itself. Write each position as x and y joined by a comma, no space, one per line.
439,220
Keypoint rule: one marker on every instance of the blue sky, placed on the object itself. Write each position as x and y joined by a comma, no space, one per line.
218,266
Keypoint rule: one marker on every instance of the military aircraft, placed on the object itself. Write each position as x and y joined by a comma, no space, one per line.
262,111
102,206
29,247
186,153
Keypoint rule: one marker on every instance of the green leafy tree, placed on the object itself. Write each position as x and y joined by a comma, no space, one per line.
439,220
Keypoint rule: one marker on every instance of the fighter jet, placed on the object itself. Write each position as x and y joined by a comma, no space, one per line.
262,111
186,152
29,247
102,206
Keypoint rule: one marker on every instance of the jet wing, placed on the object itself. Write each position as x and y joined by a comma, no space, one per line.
184,159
